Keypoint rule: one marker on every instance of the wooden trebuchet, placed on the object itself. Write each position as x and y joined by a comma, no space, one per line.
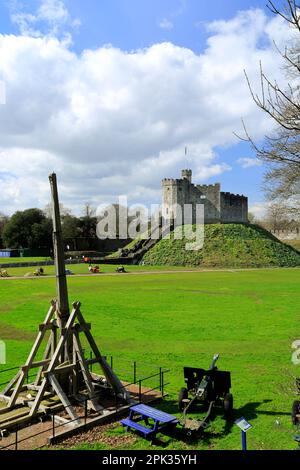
63,373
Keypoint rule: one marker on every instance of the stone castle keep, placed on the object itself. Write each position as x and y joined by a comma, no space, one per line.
219,207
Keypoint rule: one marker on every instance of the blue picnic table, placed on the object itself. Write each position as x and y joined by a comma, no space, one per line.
138,413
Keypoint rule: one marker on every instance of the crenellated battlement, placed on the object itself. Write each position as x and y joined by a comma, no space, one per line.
174,182
208,185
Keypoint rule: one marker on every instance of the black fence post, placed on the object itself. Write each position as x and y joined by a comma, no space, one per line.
85,411
134,372
140,391
160,378
53,425
116,402
162,384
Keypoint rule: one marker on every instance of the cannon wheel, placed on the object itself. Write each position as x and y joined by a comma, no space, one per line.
183,395
228,405
295,412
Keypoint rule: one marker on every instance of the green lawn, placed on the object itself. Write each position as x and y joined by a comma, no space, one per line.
83,269
250,317
23,260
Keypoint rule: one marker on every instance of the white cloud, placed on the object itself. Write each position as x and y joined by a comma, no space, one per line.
247,162
2,92
53,11
111,122
168,23
51,17
259,209
165,24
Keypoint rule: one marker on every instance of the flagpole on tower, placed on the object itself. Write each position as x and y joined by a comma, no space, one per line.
186,158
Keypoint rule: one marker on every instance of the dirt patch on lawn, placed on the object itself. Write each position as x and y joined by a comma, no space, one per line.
10,332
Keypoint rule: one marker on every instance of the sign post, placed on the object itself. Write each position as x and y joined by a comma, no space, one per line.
243,424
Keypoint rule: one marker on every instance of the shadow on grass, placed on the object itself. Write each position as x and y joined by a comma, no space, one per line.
250,411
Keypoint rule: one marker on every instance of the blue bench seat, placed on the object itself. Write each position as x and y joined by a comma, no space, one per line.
139,427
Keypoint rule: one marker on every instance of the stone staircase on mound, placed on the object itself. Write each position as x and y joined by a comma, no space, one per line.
135,254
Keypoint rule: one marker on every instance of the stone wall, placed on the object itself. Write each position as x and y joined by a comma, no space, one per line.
292,234
234,208
209,195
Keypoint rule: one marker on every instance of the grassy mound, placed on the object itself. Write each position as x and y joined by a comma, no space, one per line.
230,246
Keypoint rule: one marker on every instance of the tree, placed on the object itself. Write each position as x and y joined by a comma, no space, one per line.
88,227
62,209
281,151
71,230
3,221
251,218
70,226
88,210
28,229
276,217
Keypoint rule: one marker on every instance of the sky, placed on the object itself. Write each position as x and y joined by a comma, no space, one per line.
108,93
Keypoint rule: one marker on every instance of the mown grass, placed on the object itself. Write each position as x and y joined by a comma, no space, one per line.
83,268
23,260
250,317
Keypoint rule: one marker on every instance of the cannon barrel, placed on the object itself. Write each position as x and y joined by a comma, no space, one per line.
213,364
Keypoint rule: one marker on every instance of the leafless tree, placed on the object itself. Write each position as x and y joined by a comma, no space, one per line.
63,210
89,210
281,151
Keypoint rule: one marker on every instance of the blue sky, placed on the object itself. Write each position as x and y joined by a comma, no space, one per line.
131,25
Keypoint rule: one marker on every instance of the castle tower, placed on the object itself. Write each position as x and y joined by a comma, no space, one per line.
187,174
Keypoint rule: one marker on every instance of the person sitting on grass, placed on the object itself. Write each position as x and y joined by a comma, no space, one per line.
121,269
39,272
94,269
4,273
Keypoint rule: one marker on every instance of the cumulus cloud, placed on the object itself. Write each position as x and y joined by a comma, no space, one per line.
246,162
168,23
165,24
50,18
112,122
259,209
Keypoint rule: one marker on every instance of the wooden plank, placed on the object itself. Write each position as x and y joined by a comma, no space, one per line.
35,365
64,399
18,421
8,419
59,420
46,355
85,372
39,397
44,327
31,356
75,381
11,383
81,328
59,256
32,387
60,369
